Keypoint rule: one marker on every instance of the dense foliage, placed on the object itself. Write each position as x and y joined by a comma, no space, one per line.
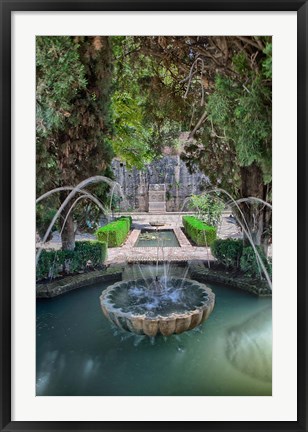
135,95
250,265
225,84
73,115
144,92
198,231
232,254
228,252
53,263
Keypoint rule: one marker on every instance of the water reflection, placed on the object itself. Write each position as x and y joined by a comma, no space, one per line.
249,346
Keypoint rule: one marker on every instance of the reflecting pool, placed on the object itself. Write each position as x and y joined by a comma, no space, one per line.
154,238
80,353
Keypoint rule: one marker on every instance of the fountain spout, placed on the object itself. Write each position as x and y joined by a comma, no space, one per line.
156,286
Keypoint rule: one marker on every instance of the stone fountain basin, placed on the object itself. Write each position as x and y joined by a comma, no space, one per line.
166,325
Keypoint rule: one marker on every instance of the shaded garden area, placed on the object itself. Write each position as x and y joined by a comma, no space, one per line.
153,215
132,99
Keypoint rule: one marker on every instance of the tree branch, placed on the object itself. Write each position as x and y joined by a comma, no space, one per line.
249,41
201,120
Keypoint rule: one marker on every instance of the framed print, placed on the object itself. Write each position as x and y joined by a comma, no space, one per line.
153,161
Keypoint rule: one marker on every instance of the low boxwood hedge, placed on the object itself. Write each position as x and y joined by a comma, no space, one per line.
92,250
129,220
53,263
114,233
198,231
232,254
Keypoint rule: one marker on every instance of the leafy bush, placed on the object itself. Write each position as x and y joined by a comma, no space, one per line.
198,231
54,263
228,252
209,208
114,233
93,250
249,263
232,254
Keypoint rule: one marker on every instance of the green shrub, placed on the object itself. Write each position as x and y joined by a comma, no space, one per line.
249,263
129,218
198,231
209,208
114,233
54,263
92,250
50,264
228,252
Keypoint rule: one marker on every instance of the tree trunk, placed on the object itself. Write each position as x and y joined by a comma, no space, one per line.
68,233
257,216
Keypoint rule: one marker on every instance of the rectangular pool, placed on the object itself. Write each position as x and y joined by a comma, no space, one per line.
154,238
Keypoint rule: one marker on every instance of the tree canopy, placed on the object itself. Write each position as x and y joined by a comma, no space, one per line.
74,127
219,88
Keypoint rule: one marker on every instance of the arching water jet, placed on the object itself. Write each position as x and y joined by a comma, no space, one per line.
74,191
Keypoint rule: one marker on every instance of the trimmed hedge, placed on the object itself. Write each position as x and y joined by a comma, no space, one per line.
232,254
54,263
198,231
228,252
92,250
115,233
129,219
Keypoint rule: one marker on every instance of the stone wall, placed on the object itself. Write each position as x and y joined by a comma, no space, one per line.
169,170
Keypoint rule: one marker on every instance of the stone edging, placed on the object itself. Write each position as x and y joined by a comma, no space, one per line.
203,274
197,271
69,283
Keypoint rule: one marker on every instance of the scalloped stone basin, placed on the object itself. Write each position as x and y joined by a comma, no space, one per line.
181,305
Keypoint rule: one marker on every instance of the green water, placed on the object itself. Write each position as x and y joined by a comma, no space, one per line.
153,238
79,353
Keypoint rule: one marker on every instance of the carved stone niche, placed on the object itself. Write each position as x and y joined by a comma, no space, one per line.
157,198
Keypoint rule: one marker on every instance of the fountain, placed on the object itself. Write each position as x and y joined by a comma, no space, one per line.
161,301
161,305
165,305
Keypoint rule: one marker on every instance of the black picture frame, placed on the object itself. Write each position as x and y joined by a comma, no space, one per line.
7,7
